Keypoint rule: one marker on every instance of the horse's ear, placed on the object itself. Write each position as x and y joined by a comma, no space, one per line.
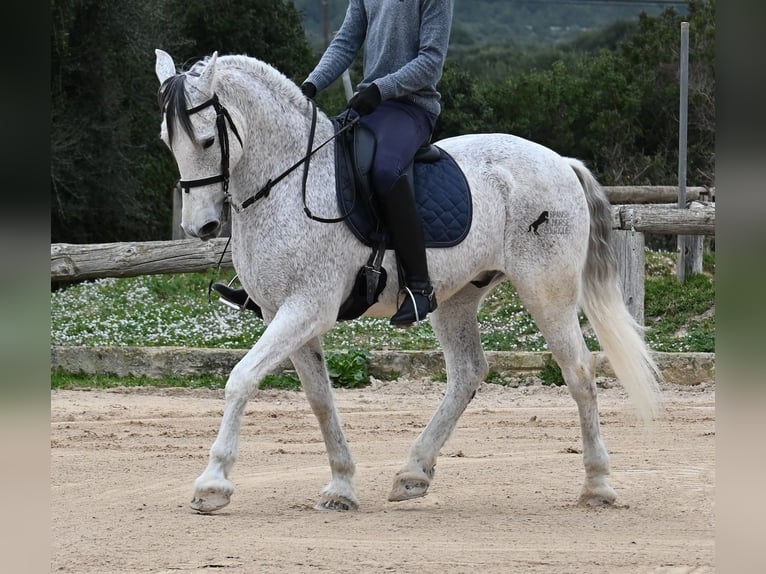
164,67
206,82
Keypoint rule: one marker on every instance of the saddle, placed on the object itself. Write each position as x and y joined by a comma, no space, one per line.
442,197
442,194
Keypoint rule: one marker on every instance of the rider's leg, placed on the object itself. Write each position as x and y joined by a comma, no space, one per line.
397,206
401,128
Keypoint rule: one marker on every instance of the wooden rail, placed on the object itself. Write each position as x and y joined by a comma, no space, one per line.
655,194
74,262
664,219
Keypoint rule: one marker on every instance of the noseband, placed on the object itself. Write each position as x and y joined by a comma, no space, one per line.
222,117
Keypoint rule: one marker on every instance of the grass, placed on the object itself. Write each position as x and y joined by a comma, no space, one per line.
173,310
62,380
670,307
679,317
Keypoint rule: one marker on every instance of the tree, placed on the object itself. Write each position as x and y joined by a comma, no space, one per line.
104,148
651,59
618,110
464,109
269,30
111,177
611,99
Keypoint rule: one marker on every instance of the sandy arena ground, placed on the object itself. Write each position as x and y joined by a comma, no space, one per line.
503,500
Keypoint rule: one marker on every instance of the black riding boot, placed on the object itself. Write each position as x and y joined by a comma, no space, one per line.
406,234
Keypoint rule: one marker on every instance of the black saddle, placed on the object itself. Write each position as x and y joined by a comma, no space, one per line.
362,153
442,197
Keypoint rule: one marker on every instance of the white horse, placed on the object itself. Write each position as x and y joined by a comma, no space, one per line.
233,123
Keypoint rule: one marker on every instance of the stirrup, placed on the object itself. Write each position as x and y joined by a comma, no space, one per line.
427,294
226,295
237,299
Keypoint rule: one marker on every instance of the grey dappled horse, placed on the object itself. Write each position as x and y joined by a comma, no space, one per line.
540,221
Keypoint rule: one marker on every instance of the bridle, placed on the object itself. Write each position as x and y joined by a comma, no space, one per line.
222,117
221,120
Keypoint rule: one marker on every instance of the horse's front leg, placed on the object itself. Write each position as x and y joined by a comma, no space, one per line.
310,364
288,331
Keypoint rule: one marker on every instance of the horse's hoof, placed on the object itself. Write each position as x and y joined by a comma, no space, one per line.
338,495
339,503
602,496
408,486
212,495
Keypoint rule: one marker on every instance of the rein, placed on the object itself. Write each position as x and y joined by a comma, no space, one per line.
305,161
222,119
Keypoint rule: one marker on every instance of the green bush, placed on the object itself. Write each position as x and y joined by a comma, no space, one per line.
551,375
349,369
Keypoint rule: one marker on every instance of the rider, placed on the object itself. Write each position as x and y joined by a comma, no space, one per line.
405,46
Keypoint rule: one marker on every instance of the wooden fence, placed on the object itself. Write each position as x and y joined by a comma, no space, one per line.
618,195
631,220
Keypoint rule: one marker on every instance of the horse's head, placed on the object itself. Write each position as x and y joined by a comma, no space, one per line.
197,129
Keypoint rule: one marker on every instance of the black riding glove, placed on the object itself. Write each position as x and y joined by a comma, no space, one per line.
366,101
309,90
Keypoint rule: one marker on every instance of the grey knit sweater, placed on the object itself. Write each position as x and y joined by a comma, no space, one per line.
405,45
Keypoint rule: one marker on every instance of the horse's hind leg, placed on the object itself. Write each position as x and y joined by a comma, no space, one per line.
556,317
456,326
311,367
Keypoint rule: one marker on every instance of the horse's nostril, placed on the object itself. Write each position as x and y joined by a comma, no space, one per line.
210,228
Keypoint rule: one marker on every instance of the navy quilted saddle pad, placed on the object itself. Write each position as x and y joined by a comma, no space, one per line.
442,195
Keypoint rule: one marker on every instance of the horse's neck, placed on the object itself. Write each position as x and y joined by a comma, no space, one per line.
278,127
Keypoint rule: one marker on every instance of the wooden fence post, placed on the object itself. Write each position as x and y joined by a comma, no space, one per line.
176,231
689,248
631,265
690,251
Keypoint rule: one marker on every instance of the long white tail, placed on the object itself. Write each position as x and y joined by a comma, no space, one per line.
601,299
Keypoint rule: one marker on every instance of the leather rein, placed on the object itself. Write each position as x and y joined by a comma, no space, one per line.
222,119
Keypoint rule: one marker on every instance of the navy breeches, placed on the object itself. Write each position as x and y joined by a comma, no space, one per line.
400,128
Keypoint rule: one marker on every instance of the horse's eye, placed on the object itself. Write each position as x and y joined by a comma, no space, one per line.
208,142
